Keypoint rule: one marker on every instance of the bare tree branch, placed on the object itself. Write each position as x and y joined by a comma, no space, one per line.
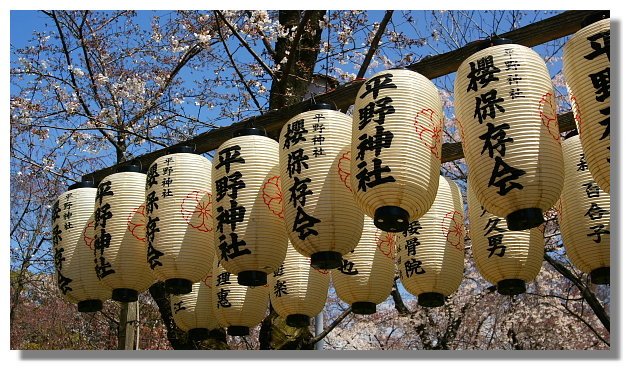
374,44
331,326
245,44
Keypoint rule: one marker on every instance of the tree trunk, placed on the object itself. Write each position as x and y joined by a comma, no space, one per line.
127,326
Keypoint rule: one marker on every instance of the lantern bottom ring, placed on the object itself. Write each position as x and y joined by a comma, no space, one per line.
198,334
601,276
298,320
217,334
90,305
178,286
252,278
431,299
125,295
238,331
326,260
391,219
526,218
364,308
511,287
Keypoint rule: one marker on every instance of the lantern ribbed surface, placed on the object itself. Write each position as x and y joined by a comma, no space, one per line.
501,254
322,219
73,246
366,275
180,221
396,147
236,306
250,235
430,252
194,310
297,289
506,109
586,66
124,268
585,217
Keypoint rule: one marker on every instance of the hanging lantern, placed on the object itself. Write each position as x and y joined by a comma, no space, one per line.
180,224
73,246
193,312
506,111
396,147
587,68
507,259
120,234
236,306
366,275
250,234
430,251
298,291
585,216
322,219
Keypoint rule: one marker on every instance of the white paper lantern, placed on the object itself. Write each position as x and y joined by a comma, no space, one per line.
587,68
507,259
121,224
366,275
585,216
193,312
322,220
251,236
298,291
396,147
430,252
180,221
237,307
506,110
73,248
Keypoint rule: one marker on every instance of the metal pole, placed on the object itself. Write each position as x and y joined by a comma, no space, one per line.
319,327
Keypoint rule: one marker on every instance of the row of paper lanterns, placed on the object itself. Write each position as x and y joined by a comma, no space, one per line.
315,187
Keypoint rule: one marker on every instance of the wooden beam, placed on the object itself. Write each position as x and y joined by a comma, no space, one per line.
537,33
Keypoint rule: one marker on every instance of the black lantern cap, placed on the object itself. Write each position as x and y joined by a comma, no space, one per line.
364,308
326,260
125,295
298,320
319,105
238,331
178,286
198,334
250,128
595,17
511,287
391,219
82,184
252,278
601,276
181,149
133,166
90,305
492,41
526,218
572,133
431,299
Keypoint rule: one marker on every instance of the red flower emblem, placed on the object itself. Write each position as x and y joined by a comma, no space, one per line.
89,240
200,216
137,223
548,115
385,243
272,196
344,169
452,227
428,121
